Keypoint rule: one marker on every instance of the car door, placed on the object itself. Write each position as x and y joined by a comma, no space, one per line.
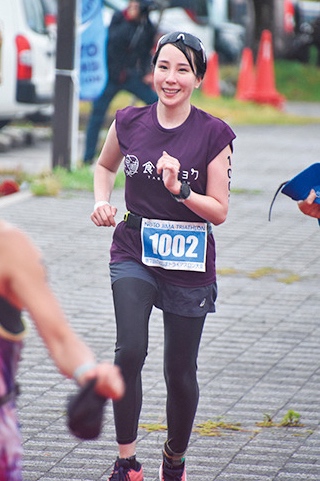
42,55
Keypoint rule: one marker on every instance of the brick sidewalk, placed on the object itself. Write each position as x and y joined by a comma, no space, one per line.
260,351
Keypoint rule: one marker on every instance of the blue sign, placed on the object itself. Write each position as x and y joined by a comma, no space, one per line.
93,56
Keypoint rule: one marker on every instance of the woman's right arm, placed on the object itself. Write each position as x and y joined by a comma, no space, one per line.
104,178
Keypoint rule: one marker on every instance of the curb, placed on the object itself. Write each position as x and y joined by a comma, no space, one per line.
13,198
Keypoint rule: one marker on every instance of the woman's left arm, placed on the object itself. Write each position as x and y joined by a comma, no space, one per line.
214,205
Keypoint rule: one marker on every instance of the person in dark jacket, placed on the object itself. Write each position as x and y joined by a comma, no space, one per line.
131,36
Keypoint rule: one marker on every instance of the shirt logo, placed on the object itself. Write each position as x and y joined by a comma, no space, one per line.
131,165
148,168
203,302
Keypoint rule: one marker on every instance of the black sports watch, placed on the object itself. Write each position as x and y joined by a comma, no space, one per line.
185,192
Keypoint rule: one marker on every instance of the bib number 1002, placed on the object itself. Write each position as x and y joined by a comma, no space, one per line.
177,245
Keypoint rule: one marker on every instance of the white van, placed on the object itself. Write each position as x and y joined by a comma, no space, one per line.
27,61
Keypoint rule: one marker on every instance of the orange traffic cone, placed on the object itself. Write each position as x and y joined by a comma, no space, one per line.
210,84
246,80
265,91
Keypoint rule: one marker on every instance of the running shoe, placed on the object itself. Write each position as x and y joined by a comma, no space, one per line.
123,472
167,473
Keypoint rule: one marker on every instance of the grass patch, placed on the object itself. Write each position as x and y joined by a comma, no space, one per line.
227,271
281,275
286,277
220,427
82,178
297,81
290,419
75,179
246,191
262,272
52,183
231,110
152,427
120,180
290,278
237,112
216,428
47,185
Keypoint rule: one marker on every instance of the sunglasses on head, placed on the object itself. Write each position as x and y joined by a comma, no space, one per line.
186,38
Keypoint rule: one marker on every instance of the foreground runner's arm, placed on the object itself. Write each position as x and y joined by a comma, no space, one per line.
23,282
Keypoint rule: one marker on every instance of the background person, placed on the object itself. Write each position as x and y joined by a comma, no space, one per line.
177,161
131,37
23,285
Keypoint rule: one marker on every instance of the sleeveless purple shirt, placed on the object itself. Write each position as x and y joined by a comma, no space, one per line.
142,140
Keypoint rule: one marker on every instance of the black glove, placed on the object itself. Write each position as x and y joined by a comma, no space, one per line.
85,411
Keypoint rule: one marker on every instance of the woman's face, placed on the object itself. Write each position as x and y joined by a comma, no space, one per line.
174,80
133,10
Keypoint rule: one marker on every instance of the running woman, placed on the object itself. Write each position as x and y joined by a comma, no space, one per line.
177,161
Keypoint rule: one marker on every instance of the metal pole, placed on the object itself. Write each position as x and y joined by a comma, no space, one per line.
66,77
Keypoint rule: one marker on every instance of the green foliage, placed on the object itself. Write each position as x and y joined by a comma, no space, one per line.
75,179
120,180
81,178
267,421
290,419
151,427
239,112
280,275
216,428
47,185
51,183
297,81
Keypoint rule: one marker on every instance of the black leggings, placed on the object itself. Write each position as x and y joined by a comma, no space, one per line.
133,301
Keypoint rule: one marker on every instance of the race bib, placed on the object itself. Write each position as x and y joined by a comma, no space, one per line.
174,245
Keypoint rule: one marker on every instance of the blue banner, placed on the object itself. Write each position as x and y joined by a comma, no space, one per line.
93,56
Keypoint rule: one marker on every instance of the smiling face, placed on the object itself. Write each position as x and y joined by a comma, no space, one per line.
174,79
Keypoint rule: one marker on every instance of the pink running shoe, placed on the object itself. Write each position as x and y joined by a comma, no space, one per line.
123,472
167,473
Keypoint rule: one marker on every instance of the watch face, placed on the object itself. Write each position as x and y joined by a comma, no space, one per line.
184,190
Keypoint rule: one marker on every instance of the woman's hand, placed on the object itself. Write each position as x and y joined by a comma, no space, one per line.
104,215
109,383
169,167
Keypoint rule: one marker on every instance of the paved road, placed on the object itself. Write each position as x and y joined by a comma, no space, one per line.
260,351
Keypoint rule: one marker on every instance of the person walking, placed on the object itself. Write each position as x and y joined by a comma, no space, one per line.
23,285
131,37
177,161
